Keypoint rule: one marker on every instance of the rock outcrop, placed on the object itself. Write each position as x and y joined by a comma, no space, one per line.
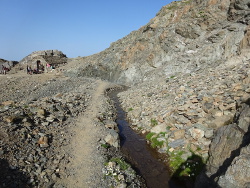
228,165
8,64
53,57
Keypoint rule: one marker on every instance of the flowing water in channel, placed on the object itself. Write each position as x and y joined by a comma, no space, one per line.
143,158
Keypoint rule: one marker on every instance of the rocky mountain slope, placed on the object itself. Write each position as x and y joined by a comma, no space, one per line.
185,36
188,72
188,75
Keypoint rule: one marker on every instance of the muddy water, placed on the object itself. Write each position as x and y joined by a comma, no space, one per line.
143,158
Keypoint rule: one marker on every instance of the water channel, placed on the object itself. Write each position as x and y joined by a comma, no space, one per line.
139,154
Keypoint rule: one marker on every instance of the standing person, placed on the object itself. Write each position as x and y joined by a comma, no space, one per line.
48,66
27,69
30,70
4,69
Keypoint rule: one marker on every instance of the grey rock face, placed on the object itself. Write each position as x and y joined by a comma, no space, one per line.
237,174
183,37
240,11
228,164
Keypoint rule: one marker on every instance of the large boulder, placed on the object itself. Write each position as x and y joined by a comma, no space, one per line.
238,173
228,164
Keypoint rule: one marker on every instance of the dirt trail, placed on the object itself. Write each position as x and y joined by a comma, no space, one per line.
86,165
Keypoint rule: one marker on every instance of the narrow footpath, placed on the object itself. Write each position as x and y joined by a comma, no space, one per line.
86,165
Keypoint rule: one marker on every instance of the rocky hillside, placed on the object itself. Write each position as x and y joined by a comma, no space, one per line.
188,72
54,133
53,57
185,36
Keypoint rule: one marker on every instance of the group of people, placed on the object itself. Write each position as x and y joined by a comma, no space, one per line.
4,70
40,68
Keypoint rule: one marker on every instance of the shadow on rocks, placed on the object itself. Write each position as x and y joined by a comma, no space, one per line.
241,126
11,177
185,175
210,182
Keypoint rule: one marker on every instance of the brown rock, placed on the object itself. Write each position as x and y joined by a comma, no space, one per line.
195,100
12,118
231,106
179,134
160,119
217,113
207,107
237,87
222,120
43,141
207,99
8,103
40,112
245,97
196,133
9,119
247,90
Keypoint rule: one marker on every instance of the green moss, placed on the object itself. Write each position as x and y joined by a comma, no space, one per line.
176,160
185,168
199,149
130,109
154,122
168,128
162,134
123,165
140,128
149,136
105,146
155,143
153,138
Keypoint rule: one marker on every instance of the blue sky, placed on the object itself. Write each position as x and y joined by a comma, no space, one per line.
76,27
